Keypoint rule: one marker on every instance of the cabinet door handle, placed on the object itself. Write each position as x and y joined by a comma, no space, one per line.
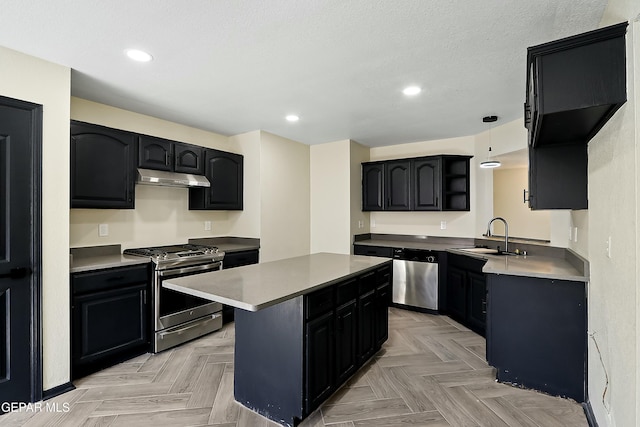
484,307
166,159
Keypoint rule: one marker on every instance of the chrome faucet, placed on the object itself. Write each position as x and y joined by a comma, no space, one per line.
506,231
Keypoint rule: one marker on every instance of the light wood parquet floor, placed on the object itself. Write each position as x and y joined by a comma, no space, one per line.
431,372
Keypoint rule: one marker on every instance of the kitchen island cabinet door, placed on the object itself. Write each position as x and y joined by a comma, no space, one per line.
346,343
103,164
319,360
225,173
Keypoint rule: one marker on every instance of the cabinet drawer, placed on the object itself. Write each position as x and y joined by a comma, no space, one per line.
346,291
380,251
367,283
101,280
238,259
319,302
383,275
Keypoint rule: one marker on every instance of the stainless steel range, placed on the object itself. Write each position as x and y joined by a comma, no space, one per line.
179,317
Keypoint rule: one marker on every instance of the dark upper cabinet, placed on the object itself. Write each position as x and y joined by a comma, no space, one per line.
102,167
417,184
373,186
166,155
456,183
397,185
188,158
426,189
155,153
225,173
558,176
574,85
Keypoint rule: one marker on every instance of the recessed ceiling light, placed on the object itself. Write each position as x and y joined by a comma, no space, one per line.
292,118
411,90
138,55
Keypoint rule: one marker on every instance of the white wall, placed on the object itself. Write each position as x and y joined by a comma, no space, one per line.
508,203
30,79
161,214
331,197
613,298
360,221
284,196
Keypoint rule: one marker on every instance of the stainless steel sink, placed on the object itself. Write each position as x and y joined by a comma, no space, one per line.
485,251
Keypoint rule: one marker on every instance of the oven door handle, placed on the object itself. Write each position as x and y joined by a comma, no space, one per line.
186,270
192,325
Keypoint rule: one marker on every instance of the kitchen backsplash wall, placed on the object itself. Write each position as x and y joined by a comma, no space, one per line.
161,216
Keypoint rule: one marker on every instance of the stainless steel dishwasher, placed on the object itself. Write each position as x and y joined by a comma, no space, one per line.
415,278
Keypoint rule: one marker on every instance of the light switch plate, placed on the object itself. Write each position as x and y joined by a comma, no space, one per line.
207,226
443,225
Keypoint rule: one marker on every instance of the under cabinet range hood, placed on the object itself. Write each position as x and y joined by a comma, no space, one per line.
171,179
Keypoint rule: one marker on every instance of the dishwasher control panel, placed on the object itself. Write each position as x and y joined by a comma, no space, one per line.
417,255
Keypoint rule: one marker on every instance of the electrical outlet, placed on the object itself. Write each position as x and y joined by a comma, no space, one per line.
103,230
570,233
443,225
608,249
575,234
360,224
373,223
207,226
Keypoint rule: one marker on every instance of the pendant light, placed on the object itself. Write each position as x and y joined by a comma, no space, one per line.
490,163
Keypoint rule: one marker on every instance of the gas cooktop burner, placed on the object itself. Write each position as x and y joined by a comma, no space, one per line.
175,253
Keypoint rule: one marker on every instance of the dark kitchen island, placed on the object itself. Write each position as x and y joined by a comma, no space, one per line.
303,326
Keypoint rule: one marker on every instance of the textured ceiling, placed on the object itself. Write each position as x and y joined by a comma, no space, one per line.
233,66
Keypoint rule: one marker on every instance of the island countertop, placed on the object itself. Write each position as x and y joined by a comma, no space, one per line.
257,286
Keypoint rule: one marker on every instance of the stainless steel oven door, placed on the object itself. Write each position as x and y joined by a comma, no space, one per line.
173,308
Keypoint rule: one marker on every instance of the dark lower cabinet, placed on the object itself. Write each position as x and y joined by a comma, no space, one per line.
320,358
537,334
238,259
103,167
466,292
309,346
109,318
346,359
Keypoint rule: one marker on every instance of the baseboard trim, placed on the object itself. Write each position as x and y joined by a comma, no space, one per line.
588,412
57,391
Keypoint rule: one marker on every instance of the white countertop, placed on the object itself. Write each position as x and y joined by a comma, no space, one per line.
258,286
